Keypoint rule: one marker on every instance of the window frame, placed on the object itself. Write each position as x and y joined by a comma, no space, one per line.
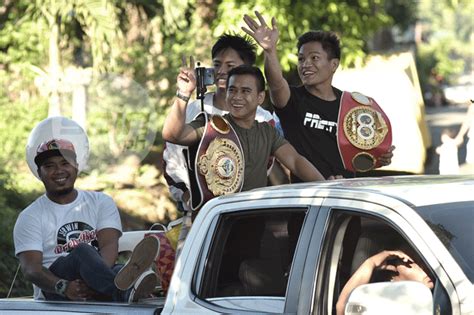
310,204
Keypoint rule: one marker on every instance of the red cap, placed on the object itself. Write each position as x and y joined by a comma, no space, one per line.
54,147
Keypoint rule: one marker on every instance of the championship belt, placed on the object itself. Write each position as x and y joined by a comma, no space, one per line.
364,132
217,162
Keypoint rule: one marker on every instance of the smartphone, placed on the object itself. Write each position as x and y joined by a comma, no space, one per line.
209,76
205,76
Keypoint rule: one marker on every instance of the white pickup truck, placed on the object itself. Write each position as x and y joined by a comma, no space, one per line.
290,249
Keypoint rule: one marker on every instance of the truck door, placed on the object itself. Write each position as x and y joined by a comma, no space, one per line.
249,255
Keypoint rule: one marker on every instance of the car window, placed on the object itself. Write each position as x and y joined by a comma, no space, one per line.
251,253
453,224
349,241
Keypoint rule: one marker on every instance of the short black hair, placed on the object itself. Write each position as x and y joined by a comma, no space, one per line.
329,41
241,44
252,70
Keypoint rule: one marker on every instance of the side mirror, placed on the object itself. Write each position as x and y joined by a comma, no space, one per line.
390,298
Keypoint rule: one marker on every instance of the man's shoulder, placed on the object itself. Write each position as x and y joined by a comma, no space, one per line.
297,89
93,195
301,90
298,94
337,92
34,205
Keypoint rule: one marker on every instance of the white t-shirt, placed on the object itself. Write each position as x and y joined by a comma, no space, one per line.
56,229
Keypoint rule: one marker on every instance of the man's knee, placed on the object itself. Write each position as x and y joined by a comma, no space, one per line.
84,250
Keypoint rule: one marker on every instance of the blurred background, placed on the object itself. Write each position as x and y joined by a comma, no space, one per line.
111,66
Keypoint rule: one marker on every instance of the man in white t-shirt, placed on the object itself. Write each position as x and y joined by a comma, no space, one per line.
67,239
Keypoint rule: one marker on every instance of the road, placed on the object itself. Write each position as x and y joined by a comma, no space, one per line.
439,118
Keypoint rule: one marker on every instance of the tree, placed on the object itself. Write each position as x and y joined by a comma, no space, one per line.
94,19
447,40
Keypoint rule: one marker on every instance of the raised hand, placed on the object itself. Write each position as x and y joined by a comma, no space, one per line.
186,80
265,36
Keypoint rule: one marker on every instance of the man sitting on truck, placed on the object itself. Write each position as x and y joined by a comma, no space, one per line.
245,92
67,239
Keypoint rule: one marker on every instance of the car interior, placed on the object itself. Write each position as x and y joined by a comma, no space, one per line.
257,251
362,238
252,254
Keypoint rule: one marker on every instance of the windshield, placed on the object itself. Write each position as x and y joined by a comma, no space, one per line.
453,223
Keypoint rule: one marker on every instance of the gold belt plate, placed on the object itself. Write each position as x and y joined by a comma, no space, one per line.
222,166
364,127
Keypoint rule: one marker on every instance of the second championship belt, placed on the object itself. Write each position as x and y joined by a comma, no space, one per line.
217,163
364,132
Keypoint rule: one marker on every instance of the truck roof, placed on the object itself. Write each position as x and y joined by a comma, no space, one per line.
417,190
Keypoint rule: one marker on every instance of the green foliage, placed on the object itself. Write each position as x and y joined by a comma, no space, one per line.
121,120
21,110
93,20
448,43
11,201
354,21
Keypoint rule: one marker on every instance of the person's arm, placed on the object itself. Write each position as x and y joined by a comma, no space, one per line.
175,129
466,124
31,263
363,274
297,164
267,38
108,245
34,271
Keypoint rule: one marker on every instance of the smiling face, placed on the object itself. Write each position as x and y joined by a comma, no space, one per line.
413,272
58,176
223,62
314,66
243,97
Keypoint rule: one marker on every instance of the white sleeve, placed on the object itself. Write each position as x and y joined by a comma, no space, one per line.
176,173
174,161
108,214
264,115
27,233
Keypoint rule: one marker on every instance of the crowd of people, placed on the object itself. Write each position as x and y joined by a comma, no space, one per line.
67,240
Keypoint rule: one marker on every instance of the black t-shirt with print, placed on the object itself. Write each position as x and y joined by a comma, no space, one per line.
310,125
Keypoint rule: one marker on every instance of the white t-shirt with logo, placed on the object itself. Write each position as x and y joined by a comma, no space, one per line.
55,229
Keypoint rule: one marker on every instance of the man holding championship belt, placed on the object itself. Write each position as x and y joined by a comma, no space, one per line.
316,118
233,149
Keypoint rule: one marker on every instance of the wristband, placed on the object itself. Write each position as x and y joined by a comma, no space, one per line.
61,286
182,96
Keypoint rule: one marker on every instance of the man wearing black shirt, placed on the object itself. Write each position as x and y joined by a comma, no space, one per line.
308,114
